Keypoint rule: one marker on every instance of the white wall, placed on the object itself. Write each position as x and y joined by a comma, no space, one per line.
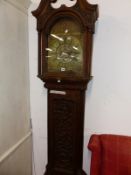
14,84
108,98
38,100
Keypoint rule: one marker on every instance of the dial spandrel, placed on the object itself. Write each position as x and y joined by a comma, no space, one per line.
64,52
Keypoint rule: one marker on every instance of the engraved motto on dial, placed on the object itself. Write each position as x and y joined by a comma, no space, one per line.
64,51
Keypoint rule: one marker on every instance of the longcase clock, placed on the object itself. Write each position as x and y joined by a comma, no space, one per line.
65,38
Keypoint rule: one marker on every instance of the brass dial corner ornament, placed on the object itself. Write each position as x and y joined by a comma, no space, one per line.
65,39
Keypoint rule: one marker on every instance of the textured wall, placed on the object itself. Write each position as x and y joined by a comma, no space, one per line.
108,97
14,79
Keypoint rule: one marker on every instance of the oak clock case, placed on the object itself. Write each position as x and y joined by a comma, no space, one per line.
65,38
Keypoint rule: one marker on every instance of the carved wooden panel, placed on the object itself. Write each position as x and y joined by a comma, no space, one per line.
64,131
63,121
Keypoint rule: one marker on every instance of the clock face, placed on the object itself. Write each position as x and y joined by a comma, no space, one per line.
64,51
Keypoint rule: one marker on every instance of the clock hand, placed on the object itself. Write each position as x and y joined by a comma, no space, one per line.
57,37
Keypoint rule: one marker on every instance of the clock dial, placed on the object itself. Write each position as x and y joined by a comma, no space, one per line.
64,52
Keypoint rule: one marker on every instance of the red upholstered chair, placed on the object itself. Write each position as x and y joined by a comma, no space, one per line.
111,155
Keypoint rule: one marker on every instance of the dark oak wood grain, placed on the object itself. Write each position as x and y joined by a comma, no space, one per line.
66,102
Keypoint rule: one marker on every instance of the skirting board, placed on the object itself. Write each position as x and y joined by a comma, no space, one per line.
15,147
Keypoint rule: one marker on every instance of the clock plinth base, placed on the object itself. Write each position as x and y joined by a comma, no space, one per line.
51,172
